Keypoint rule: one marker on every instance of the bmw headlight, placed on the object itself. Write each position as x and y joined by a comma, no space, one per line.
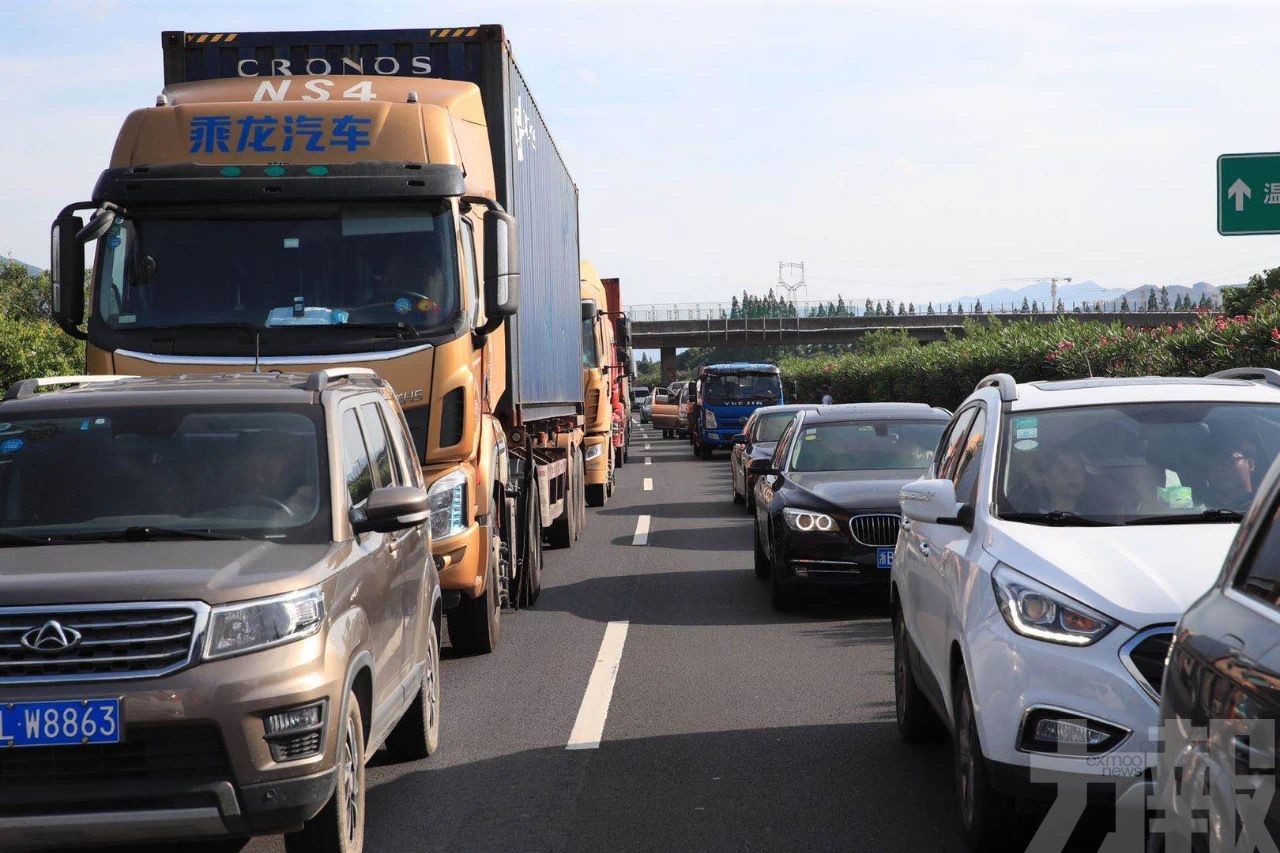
249,626
1035,610
808,522
447,501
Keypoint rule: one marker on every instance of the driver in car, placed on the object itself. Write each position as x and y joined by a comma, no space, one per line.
406,282
270,466
1230,480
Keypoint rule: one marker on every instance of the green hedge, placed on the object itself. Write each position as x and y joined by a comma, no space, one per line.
36,348
945,372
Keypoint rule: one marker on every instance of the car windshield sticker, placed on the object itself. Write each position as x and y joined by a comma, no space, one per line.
1026,428
1026,444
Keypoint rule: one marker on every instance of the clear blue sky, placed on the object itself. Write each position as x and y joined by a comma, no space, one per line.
908,150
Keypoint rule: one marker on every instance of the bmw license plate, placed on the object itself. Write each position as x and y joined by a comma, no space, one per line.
884,558
60,723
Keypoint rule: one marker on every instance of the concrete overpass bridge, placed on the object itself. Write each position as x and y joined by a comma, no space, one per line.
666,335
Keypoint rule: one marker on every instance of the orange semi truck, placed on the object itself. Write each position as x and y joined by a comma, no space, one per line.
624,372
390,199
605,384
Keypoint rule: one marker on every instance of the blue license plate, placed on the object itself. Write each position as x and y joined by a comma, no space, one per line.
884,558
63,723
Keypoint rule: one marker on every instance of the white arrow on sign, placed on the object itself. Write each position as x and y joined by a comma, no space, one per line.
1239,191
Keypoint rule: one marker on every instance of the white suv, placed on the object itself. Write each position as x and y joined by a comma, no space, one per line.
1063,530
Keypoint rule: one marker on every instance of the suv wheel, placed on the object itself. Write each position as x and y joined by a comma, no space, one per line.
475,623
916,718
417,735
339,828
987,817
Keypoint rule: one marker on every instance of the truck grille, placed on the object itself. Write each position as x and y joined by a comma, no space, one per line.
189,753
98,642
1144,657
879,530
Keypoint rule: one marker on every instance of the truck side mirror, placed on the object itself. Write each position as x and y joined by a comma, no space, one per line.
624,332
66,272
501,265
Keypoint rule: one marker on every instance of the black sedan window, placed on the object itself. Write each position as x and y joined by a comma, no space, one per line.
769,427
866,446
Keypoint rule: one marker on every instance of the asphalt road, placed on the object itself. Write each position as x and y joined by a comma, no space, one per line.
730,727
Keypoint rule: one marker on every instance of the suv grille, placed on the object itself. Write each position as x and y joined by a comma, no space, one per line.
189,753
875,531
1144,657
97,642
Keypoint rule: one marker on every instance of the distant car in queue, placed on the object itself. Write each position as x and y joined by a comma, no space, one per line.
826,502
758,440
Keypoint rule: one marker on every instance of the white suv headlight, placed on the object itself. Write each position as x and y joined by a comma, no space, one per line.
249,626
808,522
447,500
710,420
1037,611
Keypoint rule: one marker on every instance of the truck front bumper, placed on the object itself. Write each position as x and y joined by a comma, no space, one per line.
596,455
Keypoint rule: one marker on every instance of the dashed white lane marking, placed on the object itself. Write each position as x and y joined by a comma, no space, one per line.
648,460
646,445
642,531
588,729
648,484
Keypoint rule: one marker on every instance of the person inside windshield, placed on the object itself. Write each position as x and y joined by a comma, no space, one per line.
407,283
1230,480
270,467
1057,484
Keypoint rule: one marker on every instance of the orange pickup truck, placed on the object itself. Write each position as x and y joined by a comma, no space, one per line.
666,409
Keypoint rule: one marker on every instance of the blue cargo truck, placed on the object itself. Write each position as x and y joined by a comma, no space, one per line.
378,198
727,394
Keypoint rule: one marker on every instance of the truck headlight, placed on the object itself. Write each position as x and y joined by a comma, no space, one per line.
710,419
447,501
593,452
808,522
1042,613
249,626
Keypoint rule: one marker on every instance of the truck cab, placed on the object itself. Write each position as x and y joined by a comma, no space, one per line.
598,389
726,395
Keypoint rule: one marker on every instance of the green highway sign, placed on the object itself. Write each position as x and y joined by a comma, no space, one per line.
1248,194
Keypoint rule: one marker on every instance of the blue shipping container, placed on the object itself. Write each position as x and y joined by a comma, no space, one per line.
545,374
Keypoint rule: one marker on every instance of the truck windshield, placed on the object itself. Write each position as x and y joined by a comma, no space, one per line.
589,355
334,265
743,389
120,472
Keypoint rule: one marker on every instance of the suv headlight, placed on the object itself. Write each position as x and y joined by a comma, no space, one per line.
1037,611
710,420
808,522
447,500
249,626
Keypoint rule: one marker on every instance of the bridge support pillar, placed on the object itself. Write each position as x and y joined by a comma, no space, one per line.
668,363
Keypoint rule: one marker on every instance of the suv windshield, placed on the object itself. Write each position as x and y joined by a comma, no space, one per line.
866,446
1137,463
238,471
742,388
326,265
771,425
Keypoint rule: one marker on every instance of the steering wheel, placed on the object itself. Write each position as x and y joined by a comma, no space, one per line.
265,501
415,297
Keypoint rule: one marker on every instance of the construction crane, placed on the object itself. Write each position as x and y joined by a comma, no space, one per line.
1053,286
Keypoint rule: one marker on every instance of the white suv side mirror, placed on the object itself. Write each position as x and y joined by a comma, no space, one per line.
930,501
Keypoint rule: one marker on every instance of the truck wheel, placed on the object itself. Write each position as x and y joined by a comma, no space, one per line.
530,584
417,735
596,494
619,457
561,532
580,466
475,623
339,828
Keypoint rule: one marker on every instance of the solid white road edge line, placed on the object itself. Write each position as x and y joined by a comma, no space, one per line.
641,536
588,729
648,484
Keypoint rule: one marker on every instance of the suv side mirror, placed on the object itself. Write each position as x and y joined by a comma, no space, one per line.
761,467
931,502
501,266
66,272
392,508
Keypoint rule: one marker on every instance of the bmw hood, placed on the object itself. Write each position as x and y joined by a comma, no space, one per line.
1141,575
855,490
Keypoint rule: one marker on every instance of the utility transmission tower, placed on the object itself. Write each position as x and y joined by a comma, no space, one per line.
791,287
1053,286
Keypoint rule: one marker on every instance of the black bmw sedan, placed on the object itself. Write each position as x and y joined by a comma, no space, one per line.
826,503
757,441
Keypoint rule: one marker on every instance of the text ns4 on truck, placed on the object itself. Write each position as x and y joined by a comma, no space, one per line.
296,200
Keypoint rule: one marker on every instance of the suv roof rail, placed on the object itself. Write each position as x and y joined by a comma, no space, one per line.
1006,383
24,388
1269,375
318,380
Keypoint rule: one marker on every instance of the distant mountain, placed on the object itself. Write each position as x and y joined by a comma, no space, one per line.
1077,293
34,270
